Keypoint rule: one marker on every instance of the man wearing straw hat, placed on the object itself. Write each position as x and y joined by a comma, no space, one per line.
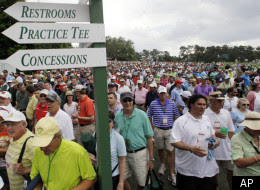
245,147
222,122
62,164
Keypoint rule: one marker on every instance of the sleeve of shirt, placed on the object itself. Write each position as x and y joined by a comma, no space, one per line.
148,131
35,164
176,132
121,149
236,148
230,124
150,110
195,90
87,171
90,109
175,111
233,115
173,95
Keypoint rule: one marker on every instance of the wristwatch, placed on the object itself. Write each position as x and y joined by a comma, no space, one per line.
151,160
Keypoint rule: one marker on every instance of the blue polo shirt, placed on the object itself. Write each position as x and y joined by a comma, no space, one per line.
175,95
246,80
137,128
158,112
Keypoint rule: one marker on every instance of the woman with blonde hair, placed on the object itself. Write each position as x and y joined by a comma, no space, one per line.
238,114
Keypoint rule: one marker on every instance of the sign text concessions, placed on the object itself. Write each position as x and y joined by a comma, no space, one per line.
30,60
28,12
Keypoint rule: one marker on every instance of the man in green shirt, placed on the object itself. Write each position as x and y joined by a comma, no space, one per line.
245,147
135,127
62,164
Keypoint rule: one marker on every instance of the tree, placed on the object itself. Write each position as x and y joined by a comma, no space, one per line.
120,49
8,46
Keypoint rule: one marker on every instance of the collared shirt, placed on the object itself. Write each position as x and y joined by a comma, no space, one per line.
22,98
31,107
70,165
86,109
140,95
204,90
65,124
151,97
40,111
222,152
242,148
230,103
137,128
175,95
118,108
186,129
17,181
159,112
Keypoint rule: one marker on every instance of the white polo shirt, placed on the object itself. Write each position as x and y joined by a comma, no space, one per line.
65,123
186,129
230,103
222,152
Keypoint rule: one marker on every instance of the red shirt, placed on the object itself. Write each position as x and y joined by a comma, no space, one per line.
40,111
86,109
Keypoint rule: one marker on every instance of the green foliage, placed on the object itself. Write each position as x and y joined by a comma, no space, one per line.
216,53
8,46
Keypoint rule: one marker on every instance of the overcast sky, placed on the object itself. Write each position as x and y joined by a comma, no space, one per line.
167,25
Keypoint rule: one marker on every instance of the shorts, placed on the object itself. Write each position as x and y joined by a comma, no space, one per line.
194,183
162,139
225,164
136,163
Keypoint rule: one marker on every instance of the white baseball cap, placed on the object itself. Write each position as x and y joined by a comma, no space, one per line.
113,77
186,94
162,89
44,91
5,94
153,85
15,116
35,81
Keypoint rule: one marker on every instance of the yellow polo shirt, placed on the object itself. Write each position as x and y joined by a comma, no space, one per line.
31,107
68,167
17,181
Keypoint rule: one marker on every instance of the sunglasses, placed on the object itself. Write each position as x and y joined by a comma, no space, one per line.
245,104
49,101
43,95
127,100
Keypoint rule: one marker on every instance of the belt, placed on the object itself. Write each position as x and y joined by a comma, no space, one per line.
134,151
164,128
82,125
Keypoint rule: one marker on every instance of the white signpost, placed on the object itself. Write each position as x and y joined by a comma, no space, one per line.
58,58
49,12
31,33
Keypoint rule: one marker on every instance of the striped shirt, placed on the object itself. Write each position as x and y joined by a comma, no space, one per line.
17,181
160,112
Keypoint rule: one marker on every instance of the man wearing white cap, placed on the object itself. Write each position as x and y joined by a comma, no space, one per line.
162,113
139,95
152,94
123,87
16,124
61,164
86,113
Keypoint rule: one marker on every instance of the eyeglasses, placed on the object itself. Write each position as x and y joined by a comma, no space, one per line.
127,100
220,101
43,95
245,104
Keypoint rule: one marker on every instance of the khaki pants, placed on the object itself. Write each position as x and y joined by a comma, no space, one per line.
79,130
